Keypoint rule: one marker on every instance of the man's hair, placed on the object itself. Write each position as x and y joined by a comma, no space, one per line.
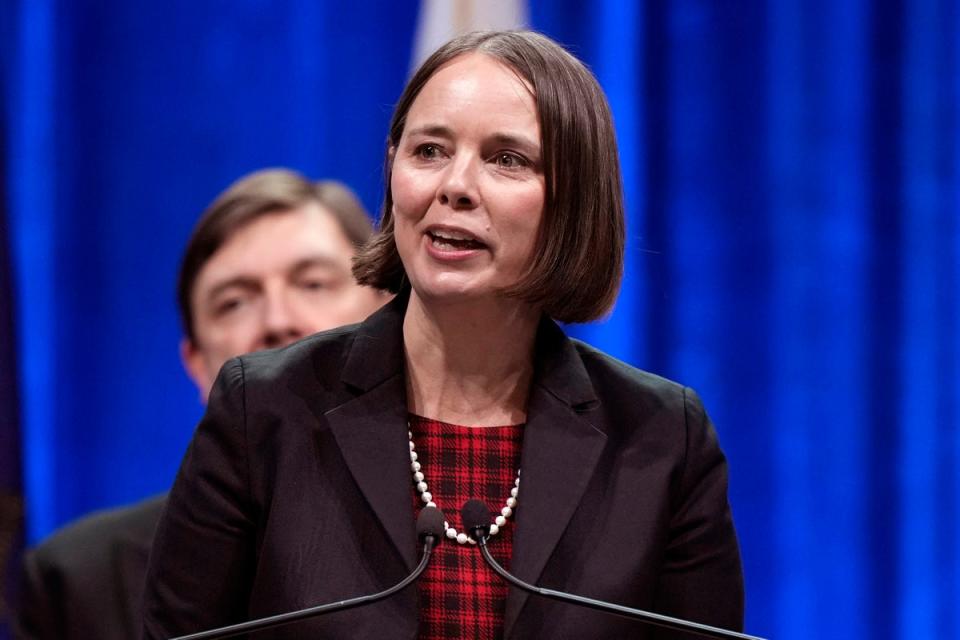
255,195
575,272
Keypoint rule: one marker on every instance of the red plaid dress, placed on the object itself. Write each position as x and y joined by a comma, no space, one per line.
460,597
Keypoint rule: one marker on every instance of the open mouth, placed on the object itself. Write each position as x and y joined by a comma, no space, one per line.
453,241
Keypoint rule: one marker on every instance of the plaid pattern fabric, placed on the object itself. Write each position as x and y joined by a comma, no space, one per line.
460,596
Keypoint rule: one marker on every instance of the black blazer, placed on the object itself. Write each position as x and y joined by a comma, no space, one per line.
296,491
85,582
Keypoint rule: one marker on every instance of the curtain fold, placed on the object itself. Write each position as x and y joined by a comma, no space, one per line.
792,178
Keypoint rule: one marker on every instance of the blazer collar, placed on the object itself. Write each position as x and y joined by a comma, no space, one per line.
563,440
559,369
562,444
377,354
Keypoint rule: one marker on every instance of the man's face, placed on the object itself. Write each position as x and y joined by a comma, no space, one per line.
276,279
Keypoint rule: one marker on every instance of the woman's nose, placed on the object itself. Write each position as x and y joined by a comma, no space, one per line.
458,188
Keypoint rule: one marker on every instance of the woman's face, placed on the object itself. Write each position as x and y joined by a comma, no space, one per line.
468,182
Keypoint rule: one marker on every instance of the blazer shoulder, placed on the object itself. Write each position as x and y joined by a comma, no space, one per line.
612,376
87,541
321,354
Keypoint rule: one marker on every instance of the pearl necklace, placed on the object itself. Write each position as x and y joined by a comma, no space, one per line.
462,538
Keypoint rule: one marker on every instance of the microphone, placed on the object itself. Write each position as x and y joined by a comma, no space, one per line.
429,531
476,521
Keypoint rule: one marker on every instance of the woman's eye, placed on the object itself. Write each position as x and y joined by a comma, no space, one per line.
428,151
510,160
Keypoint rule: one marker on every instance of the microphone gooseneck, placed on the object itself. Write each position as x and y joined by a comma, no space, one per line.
429,532
475,515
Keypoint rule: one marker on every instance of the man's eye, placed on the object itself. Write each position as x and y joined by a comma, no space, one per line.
313,285
227,306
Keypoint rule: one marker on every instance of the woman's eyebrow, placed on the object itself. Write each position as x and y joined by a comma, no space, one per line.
500,138
438,130
518,140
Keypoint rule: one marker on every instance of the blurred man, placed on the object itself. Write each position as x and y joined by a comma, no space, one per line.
268,263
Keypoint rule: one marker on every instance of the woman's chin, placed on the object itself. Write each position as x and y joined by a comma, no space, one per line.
452,289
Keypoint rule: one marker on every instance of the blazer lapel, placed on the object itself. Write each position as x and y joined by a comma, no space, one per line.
371,427
371,432
561,448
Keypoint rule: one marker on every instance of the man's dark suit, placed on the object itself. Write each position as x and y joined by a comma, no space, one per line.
296,491
85,581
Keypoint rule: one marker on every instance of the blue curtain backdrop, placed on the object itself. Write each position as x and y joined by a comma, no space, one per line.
793,183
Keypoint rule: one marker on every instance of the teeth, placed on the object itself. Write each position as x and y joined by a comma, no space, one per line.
450,235
443,243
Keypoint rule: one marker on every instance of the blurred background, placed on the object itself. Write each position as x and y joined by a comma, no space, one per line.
792,173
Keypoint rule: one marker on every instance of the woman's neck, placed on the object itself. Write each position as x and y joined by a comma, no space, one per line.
469,363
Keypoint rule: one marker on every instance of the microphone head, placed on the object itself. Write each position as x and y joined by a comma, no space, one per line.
430,523
476,519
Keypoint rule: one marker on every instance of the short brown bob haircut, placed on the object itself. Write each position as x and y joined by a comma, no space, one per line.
575,273
253,196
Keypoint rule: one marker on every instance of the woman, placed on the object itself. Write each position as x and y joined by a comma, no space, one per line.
503,213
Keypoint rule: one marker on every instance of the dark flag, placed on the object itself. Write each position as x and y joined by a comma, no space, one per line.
11,482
